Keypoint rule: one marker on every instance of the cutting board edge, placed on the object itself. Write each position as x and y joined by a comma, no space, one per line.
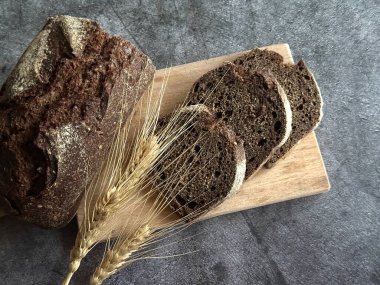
289,198
328,186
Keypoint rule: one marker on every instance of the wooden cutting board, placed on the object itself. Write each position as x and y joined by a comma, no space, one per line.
301,173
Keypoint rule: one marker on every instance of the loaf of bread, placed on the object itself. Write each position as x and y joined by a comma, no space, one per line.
204,165
58,111
300,87
254,105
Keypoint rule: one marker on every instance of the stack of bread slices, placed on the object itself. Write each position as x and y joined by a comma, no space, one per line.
252,111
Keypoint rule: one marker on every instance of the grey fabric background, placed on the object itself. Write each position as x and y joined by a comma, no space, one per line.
331,238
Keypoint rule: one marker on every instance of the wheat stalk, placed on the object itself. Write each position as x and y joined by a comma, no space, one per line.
121,182
146,231
149,229
117,258
123,175
110,202
124,250
114,182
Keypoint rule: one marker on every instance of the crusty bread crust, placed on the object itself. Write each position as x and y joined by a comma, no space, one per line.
240,170
320,98
66,95
288,126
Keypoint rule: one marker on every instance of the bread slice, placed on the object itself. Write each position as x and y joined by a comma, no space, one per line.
254,105
204,165
299,85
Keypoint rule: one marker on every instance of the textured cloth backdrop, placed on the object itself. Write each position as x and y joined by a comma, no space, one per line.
332,238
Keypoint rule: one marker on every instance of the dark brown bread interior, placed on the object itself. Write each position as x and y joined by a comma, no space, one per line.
252,104
58,110
203,166
300,87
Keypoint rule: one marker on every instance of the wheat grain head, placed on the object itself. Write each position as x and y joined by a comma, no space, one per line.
117,257
124,177
149,213
105,192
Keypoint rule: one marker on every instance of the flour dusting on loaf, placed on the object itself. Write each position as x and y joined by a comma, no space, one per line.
59,108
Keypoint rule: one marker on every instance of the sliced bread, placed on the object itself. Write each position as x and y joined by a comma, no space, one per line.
253,104
300,87
203,166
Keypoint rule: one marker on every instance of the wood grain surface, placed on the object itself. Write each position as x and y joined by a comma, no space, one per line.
301,173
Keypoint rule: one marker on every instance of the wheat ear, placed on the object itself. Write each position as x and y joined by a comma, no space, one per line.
110,202
121,176
124,249
113,261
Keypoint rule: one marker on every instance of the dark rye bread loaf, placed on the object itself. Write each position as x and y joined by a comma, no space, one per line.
204,165
254,105
58,111
300,87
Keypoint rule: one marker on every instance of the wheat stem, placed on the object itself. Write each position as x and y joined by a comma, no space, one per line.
121,252
122,182
122,177
116,257
145,155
